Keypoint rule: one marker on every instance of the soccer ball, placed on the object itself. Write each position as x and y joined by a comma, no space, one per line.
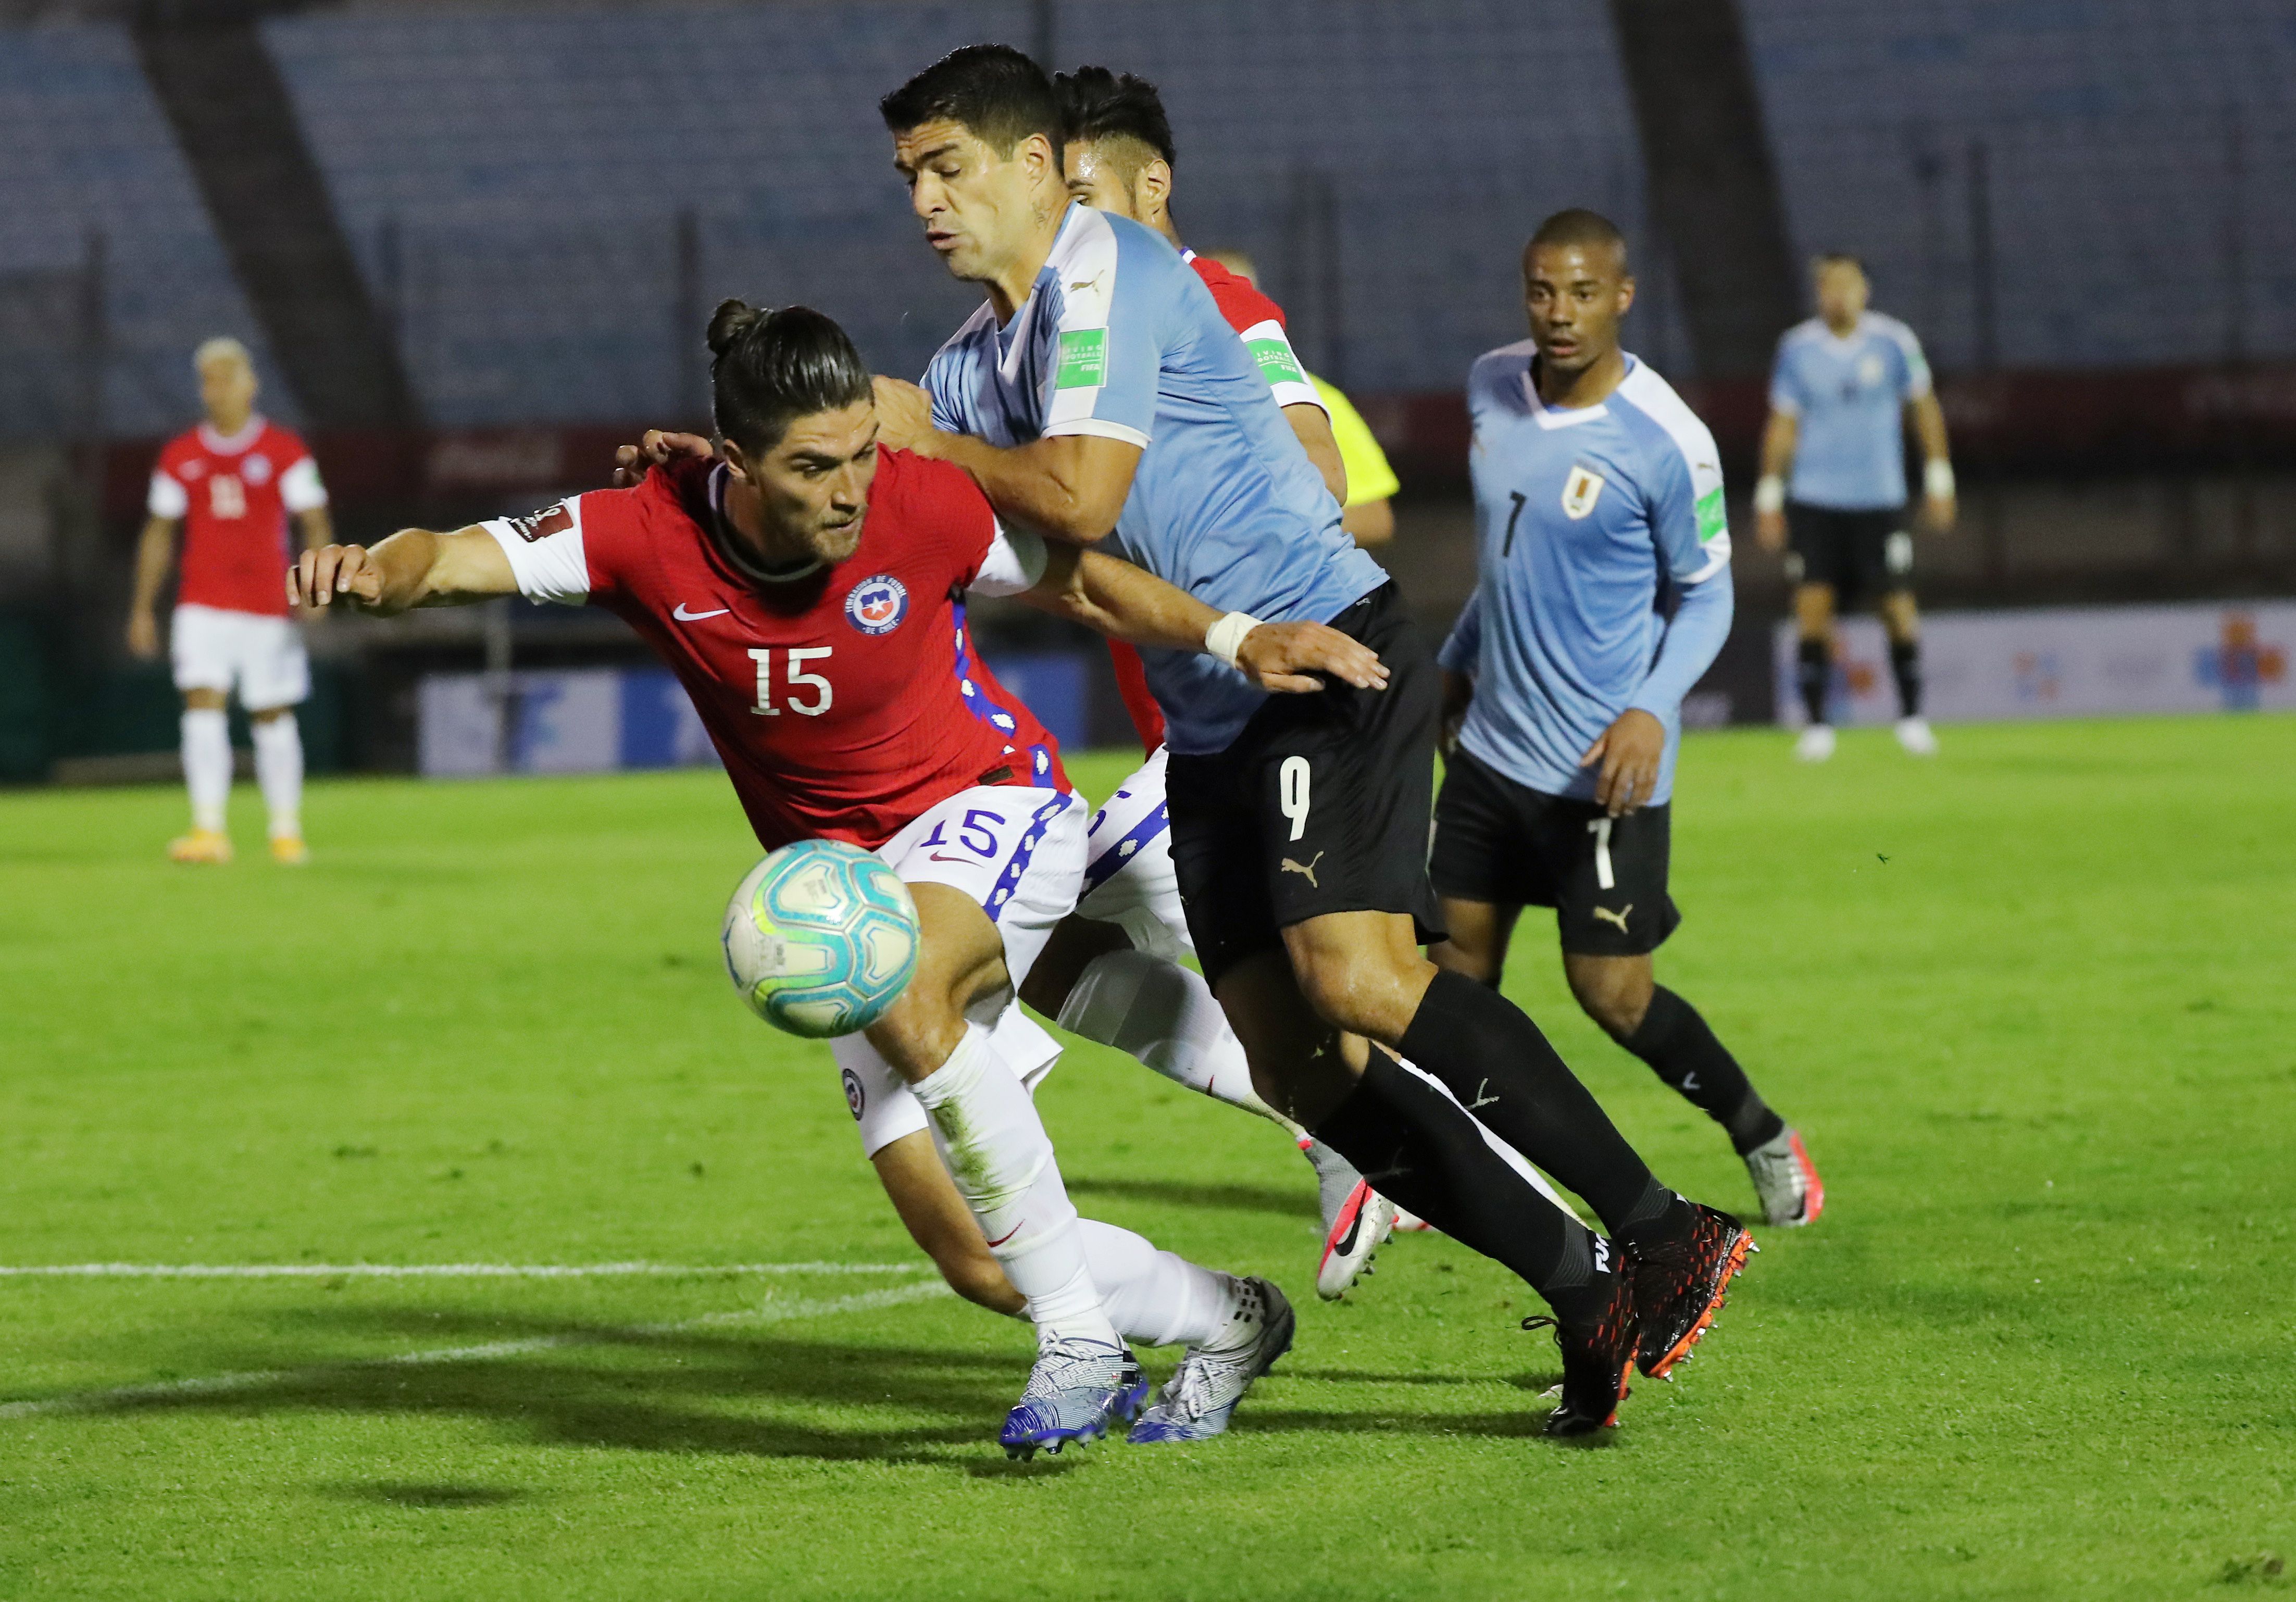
820,938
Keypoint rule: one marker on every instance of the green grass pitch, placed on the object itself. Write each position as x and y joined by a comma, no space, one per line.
2032,1003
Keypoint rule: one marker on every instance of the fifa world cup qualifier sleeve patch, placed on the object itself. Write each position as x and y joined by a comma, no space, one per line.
1083,359
1277,363
1713,517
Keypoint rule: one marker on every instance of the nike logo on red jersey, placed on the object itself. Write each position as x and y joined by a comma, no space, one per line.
683,616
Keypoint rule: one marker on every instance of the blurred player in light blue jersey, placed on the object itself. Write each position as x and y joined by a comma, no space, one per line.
1844,385
1100,394
1602,594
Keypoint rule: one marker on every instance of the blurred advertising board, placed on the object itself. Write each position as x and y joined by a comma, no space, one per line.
2063,662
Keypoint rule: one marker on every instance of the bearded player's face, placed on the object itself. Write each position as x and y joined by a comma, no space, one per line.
813,487
1575,296
978,208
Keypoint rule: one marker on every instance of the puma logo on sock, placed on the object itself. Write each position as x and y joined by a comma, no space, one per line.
1309,872
1604,914
1482,1097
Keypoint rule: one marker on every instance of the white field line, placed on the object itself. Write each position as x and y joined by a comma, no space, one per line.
431,1271
765,1312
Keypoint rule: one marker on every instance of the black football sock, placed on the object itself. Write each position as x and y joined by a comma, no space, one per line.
1813,673
1502,1070
1420,1151
1906,664
1681,1049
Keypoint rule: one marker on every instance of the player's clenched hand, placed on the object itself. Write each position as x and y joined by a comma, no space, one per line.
1630,751
332,575
1282,657
904,416
657,448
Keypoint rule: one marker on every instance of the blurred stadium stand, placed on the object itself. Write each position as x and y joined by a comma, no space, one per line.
2088,212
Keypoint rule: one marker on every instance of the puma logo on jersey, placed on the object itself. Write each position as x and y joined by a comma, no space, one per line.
1307,871
1605,915
683,616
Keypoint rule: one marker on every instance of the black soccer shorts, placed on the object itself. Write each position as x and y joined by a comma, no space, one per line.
1320,804
1504,843
1864,555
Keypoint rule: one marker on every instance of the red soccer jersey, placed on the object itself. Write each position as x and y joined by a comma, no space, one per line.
234,494
844,703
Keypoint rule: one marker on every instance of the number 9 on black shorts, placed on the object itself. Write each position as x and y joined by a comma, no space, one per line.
1319,805
1506,844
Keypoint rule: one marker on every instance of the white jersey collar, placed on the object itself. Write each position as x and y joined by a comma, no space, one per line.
232,445
1569,417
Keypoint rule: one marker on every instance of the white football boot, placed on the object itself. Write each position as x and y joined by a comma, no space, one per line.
1197,1402
1359,1230
1816,744
1915,734
1787,1181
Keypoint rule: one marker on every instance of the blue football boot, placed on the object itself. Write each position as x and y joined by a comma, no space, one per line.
1075,1388
1197,1402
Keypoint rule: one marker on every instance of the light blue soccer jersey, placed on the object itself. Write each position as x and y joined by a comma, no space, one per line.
1118,337
1849,395
1594,527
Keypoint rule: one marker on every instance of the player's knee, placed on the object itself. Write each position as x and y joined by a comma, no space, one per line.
1616,998
1352,989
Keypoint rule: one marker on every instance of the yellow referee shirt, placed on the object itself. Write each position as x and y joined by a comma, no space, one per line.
1369,477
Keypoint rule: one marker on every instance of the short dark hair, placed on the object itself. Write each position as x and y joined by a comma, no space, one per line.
768,368
1581,227
993,90
1096,103
1827,259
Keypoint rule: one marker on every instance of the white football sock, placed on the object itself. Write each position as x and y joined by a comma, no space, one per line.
1166,1016
279,769
1000,1156
1156,1298
207,764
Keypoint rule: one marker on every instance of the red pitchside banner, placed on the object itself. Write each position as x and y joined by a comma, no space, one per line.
2116,421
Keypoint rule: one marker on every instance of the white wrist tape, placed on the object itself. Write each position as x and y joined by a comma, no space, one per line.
1769,494
1224,638
1936,480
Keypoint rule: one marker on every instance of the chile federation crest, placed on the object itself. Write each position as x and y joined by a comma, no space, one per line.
877,604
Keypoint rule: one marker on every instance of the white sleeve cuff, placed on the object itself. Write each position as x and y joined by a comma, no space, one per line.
1015,561
300,489
1096,426
167,498
1716,551
548,563
1289,394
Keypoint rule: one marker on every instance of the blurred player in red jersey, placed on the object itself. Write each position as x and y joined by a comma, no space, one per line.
809,593
233,482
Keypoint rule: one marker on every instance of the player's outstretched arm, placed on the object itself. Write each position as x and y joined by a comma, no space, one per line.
1070,487
1128,603
413,567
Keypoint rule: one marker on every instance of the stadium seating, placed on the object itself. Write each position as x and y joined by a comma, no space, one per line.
89,149
2112,136
513,180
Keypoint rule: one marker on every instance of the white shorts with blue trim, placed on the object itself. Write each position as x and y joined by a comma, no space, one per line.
1128,880
1019,854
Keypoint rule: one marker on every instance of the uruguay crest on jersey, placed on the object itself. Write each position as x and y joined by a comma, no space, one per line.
1580,490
